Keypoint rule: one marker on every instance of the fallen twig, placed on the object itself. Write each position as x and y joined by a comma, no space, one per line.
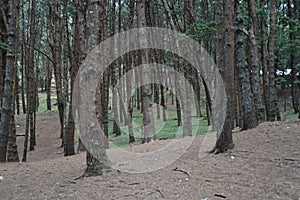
80,177
220,195
180,170
162,195
291,159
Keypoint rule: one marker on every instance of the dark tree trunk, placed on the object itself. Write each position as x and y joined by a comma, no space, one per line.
272,86
295,88
249,118
225,62
23,62
257,94
57,58
264,58
48,85
129,80
9,79
70,131
12,149
31,100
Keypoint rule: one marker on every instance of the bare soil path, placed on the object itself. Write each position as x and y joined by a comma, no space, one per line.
265,164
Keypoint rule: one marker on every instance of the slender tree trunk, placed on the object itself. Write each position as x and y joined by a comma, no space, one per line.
57,58
70,131
12,149
257,94
148,122
129,80
264,58
116,128
3,37
17,93
272,86
80,49
31,77
23,62
295,89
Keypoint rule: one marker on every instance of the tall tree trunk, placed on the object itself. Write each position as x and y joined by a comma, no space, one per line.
116,128
94,9
12,149
70,131
272,86
225,62
31,77
264,57
178,91
249,117
188,11
295,89
57,58
9,79
23,61
80,49
129,80
148,122
3,38
105,78
257,94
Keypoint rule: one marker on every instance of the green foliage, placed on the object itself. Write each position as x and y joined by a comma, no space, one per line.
280,80
3,46
297,82
201,30
290,116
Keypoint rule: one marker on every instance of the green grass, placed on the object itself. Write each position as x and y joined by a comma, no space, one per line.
43,104
289,116
163,130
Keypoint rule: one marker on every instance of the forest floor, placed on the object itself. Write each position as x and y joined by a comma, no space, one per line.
265,164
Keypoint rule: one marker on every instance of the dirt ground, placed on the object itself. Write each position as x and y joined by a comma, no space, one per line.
265,164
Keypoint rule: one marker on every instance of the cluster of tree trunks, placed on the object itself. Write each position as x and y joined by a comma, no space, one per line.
68,31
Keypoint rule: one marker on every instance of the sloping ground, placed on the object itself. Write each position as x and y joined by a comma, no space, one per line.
265,164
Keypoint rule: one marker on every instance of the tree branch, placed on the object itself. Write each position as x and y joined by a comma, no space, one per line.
43,53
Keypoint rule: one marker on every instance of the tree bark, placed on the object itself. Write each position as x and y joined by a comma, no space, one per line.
249,117
94,9
57,58
272,86
148,121
294,87
9,79
225,63
257,94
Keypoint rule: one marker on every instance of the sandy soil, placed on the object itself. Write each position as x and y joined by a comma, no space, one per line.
265,164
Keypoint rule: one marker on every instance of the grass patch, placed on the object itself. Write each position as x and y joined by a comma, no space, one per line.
289,116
